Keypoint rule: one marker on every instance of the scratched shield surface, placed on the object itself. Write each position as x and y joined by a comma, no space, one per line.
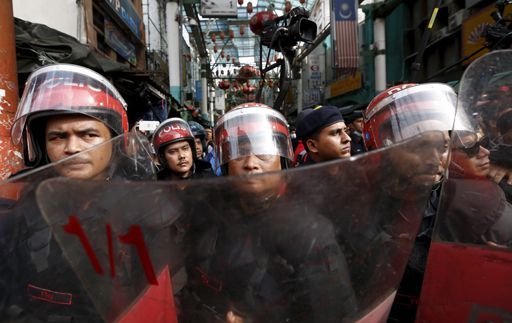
469,265
329,242
26,241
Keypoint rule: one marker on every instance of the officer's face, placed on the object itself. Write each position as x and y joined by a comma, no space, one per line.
199,147
475,164
253,165
66,136
422,162
330,143
208,134
358,125
179,158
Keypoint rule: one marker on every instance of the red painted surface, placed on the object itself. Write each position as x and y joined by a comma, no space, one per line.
156,305
10,157
466,283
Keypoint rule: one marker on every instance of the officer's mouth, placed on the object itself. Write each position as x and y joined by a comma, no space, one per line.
79,163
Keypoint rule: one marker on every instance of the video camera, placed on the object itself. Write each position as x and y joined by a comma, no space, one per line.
296,26
499,34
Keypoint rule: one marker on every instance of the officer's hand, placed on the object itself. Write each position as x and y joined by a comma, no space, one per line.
233,318
497,173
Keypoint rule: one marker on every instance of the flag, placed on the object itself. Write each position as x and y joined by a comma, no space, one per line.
344,36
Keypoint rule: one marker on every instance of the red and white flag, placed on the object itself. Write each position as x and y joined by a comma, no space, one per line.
344,36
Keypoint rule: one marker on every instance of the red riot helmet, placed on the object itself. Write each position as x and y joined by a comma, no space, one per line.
64,89
170,131
407,110
251,129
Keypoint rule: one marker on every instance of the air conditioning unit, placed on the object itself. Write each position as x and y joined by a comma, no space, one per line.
456,19
441,33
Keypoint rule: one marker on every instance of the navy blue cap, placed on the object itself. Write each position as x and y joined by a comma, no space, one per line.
310,121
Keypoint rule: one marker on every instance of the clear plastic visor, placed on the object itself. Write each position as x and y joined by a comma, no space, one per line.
422,109
260,132
63,87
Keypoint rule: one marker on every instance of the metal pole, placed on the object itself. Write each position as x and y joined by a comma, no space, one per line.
379,32
10,157
173,50
204,94
300,95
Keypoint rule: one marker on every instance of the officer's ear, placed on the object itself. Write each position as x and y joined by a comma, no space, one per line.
312,145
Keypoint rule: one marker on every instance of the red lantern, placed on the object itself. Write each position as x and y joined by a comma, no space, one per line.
224,85
302,1
257,21
222,36
242,30
287,6
213,37
214,48
222,54
249,7
228,57
231,34
248,89
247,71
240,2
233,60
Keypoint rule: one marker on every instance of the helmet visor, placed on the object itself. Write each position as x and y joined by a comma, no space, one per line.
416,110
262,132
69,89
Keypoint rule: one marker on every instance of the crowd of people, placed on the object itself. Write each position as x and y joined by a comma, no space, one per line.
251,251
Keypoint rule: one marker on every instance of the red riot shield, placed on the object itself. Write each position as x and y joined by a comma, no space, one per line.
469,268
37,283
326,243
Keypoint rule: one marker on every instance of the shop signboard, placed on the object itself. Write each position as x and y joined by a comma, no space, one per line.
126,11
119,42
473,28
199,91
220,102
348,84
219,9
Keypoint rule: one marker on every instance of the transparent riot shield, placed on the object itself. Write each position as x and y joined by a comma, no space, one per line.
470,259
326,243
37,283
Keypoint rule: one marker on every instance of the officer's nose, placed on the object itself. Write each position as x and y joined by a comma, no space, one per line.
482,152
433,156
73,145
345,138
251,162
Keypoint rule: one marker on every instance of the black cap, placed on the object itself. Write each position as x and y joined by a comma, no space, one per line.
353,116
310,121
